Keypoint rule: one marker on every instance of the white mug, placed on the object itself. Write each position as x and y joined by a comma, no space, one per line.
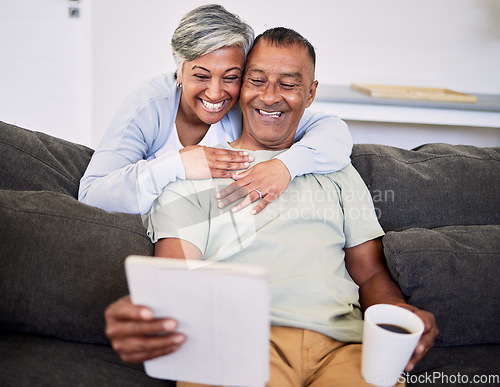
386,352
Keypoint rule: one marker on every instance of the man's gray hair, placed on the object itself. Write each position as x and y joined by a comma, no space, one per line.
206,29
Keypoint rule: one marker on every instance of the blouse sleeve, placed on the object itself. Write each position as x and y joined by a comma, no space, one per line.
323,144
124,175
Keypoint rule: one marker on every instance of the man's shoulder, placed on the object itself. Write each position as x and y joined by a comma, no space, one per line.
347,178
343,175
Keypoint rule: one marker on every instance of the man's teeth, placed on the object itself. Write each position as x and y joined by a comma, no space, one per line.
212,106
270,114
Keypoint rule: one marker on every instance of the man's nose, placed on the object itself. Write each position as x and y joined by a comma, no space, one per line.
214,90
270,94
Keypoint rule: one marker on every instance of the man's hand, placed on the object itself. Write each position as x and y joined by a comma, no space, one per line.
428,336
201,162
366,265
136,335
266,180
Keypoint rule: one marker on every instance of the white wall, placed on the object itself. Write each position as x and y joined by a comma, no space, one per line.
45,67
441,43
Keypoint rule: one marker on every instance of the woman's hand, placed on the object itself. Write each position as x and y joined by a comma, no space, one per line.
136,335
266,181
201,162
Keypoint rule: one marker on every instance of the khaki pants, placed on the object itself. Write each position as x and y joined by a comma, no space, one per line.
301,357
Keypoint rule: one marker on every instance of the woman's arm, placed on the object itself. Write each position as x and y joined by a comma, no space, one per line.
119,176
323,144
125,175
113,183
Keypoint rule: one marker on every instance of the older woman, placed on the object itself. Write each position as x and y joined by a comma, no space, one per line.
165,129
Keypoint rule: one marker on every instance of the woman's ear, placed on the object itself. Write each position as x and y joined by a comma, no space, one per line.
178,77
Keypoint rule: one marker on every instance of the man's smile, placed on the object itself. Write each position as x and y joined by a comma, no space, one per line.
273,114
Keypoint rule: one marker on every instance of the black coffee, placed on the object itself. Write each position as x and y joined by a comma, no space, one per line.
394,328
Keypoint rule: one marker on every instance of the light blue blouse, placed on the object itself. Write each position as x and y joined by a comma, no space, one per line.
139,153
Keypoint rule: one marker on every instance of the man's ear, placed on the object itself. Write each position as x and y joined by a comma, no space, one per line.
311,93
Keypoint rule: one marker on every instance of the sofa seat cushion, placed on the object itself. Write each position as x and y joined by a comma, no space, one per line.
468,365
453,273
434,185
32,360
34,161
62,263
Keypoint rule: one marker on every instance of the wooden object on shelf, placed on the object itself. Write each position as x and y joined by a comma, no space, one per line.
414,93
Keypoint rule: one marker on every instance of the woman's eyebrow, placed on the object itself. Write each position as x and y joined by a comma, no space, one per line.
207,70
199,67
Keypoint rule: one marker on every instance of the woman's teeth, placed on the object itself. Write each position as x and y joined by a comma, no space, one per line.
270,114
212,106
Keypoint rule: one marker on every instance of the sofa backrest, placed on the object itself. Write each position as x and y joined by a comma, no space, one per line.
61,261
440,207
34,161
434,185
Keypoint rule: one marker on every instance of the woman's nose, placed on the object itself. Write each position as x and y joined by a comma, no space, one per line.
214,90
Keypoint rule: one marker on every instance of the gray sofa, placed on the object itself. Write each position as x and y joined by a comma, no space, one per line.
61,261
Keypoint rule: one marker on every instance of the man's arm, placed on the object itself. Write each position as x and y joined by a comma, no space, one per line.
177,248
366,266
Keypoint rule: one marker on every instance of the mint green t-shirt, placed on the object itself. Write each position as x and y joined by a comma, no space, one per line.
298,237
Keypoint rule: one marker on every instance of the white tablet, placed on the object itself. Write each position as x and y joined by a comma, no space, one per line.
222,308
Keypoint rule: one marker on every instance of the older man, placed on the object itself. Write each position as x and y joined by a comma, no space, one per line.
319,240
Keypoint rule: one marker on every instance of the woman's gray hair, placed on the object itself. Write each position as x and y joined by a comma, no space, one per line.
206,29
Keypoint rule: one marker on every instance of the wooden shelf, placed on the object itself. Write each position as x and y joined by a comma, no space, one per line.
413,93
349,104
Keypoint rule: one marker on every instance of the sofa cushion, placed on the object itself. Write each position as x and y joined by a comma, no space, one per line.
31,360
453,273
467,365
33,161
61,263
432,186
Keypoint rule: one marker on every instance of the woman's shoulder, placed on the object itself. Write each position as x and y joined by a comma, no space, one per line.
162,86
155,99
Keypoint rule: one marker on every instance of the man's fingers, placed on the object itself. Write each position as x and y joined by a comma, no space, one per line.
139,349
140,357
426,341
123,309
139,328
